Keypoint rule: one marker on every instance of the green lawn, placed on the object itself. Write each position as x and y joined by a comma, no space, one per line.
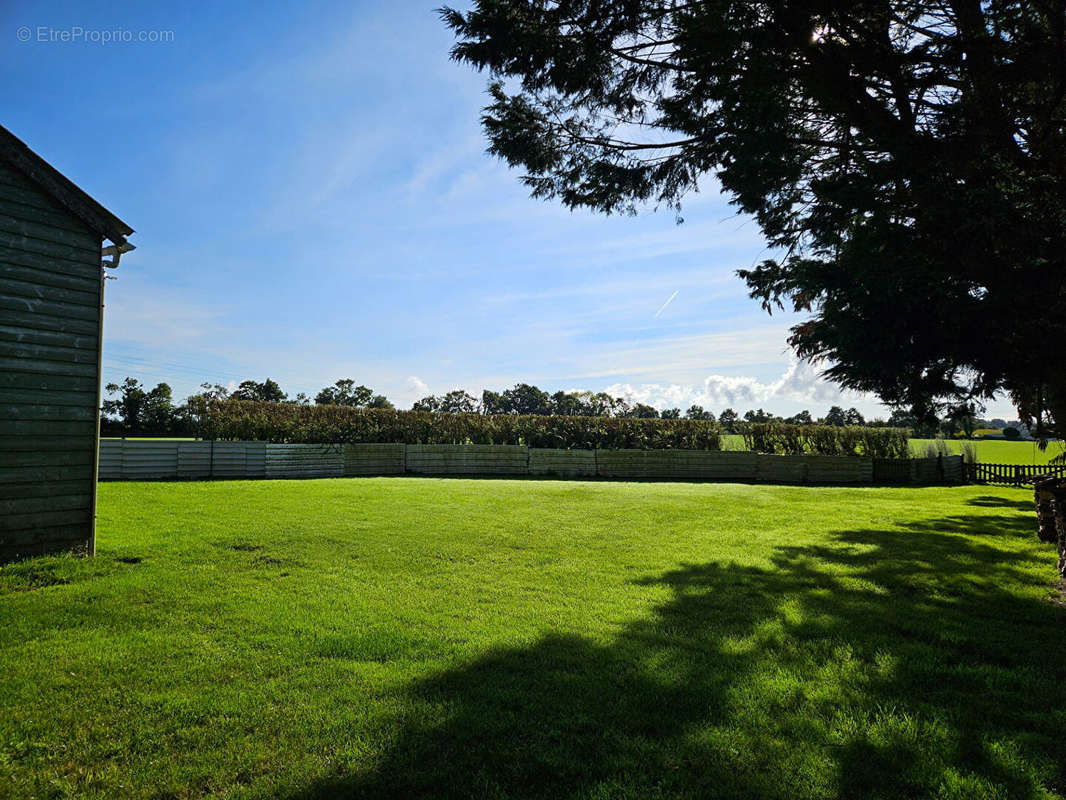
996,451
461,638
991,452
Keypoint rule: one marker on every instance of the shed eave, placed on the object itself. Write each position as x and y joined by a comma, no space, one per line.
19,155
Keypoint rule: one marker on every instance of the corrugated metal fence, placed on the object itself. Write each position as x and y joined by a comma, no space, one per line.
139,459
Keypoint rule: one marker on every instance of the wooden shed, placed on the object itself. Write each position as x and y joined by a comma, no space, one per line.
55,242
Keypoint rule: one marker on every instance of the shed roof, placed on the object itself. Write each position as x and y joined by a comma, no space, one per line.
17,153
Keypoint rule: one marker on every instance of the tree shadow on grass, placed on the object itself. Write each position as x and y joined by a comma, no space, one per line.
995,501
884,664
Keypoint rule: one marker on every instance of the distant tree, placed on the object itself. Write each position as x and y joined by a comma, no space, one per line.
272,392
836,416
900,418
457,401
139,411
345,393
966,419
301,399
853,417
213,391
581,404
671,413
493,403
1012,433
642,411
430,403
759,416
189,415
379,401
926,427
266,392
128,407
565,404
600,404
698,412
728,419
526,399
157,415
802,418
997,423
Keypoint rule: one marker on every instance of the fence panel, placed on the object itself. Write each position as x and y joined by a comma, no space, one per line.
110,459
814,469
565,463
920,471
194,460
780,469
168,460
467,459
892,470
954,469
839,469
691,464
374,459
149,460
304,461
238,459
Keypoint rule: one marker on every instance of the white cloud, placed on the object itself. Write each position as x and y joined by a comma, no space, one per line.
684,358
800,384
417,386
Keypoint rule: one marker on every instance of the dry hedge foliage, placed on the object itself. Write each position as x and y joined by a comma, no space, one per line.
828,440
281,422
285,422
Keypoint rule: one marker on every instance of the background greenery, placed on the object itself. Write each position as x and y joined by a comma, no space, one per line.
994,451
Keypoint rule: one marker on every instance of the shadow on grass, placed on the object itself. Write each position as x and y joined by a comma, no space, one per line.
994,501
884,664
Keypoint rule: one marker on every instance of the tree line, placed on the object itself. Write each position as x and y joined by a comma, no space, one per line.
132,409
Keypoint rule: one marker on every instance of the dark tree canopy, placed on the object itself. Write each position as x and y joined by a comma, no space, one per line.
345,393
266,392
905,160
138,410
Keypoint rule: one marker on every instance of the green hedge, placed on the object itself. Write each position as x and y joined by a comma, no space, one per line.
281,422
827,440
284,422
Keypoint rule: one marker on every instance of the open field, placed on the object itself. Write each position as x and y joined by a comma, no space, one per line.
991,452
996,451
412,637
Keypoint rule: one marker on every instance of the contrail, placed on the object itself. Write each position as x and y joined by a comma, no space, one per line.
668,302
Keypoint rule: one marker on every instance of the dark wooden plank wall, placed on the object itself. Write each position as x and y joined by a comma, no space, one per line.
49,381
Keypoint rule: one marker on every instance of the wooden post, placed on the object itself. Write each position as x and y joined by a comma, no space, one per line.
90,548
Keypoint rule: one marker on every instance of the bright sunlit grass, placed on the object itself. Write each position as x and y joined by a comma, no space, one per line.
474,638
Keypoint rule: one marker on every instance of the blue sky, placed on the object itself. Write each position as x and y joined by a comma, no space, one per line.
312,201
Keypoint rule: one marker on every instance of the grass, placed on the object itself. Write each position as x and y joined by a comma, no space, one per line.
459,638
996,451
991,452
